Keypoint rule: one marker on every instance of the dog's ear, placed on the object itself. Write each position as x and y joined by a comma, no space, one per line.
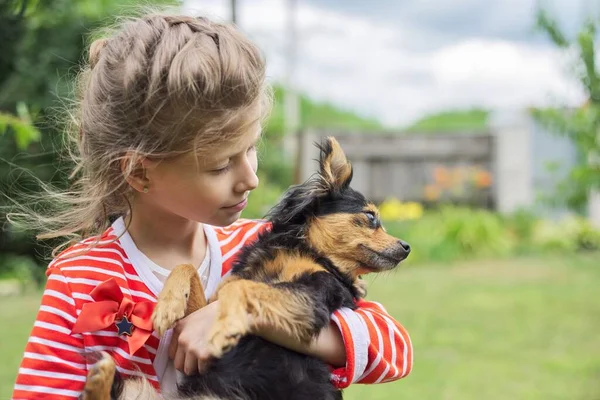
335,169
296,205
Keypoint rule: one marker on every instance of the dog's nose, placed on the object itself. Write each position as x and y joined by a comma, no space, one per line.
405,246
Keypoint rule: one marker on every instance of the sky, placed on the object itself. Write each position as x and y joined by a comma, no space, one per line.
398,60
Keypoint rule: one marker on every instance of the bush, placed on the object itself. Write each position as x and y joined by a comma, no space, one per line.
454,232
568,234
588,238
22,269
521,227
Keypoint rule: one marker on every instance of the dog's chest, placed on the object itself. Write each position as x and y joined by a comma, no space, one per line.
282,266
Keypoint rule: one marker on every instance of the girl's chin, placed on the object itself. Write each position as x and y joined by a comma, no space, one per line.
225,220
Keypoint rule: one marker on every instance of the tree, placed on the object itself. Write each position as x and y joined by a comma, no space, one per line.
581,124
42,46
12,28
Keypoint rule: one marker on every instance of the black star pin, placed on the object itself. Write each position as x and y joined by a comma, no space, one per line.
124,326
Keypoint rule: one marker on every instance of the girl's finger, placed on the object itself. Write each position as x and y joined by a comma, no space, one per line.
202,365
179,359
191,364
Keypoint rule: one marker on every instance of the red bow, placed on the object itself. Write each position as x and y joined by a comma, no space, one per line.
111,306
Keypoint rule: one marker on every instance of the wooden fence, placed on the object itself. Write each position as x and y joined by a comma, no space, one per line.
410,167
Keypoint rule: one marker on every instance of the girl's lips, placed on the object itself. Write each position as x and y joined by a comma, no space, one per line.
237,207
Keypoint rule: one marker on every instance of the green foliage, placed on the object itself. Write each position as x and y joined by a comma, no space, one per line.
20,268
24,132
262,199
581,125
318,115
455,233
49,50
474,121
568,234
42,46
588,238
521,226
546,23
12,26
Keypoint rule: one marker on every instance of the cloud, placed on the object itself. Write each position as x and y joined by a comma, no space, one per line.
451,20
409,59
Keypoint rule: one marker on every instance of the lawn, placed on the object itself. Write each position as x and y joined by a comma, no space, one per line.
525,328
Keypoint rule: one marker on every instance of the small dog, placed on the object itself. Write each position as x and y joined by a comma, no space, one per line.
323,237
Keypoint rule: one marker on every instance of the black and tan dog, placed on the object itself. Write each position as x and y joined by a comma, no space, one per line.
324,235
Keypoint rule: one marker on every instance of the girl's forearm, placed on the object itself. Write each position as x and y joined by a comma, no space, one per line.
327,346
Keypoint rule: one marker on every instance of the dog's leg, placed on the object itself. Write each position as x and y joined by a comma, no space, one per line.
361,287
227,280
139,389
100,379
182,295
242,302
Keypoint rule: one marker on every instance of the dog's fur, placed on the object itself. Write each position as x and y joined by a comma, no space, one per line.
324,235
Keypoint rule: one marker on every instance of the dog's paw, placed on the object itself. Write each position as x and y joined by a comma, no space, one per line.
361,287
226,333
100,378
170,308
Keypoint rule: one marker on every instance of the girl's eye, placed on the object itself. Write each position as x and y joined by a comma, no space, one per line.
226,168
222,170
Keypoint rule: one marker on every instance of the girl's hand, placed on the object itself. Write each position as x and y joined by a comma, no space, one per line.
189,344
188,347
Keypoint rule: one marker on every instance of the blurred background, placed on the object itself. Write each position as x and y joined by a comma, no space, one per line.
473,124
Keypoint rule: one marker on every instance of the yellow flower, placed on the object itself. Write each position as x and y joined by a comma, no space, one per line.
395,210
390,209
413,210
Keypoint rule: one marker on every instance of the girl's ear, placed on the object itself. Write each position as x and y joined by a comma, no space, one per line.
135,170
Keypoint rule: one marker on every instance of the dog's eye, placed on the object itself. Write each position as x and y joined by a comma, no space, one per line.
372,219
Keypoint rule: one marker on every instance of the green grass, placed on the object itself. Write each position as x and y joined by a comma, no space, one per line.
17,315
520,329
514,329
474,120
320,115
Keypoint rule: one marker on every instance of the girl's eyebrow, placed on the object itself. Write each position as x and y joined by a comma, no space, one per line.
253,143
222,158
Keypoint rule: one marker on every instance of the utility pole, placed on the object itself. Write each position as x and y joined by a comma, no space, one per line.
233,11
290,101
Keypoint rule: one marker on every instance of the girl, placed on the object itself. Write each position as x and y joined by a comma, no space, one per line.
169,116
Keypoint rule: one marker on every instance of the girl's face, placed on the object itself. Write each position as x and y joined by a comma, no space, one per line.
211,190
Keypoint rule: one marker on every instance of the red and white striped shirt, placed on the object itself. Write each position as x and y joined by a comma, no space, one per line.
55,365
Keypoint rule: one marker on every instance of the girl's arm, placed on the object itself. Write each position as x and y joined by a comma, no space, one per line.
328,346
363,346
53,366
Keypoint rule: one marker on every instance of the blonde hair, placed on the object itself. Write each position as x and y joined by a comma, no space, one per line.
157,86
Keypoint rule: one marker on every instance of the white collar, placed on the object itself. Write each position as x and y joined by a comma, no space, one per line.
143,265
